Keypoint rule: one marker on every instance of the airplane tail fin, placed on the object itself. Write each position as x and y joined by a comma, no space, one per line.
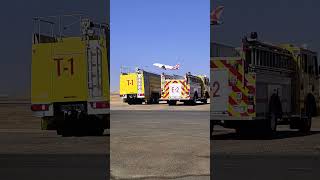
216,14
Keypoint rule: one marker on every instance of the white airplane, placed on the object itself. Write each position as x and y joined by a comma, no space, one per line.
215,16
167,67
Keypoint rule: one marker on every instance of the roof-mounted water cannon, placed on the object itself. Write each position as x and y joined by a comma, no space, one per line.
253,37
246,41
304,46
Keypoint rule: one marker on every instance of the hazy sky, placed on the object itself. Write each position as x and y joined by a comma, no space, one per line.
168,31
16,32
277,21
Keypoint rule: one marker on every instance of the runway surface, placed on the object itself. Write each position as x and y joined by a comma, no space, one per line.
29,153
287,155
160,145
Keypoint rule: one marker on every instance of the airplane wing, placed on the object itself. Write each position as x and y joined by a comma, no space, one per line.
161,66
167,67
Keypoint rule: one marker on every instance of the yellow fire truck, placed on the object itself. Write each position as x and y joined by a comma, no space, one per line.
266,86
70,74
139,86
188,89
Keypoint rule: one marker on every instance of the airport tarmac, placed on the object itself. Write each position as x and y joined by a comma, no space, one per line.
117,104
287,155
160,145
159,141
153,144
26,152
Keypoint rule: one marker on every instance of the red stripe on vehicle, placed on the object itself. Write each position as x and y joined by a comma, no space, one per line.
213,65
232,101
235,89
245,99
244,114
233,70
251,89
251,111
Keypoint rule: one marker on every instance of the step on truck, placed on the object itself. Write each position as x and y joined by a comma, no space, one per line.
139,86
70,74
266,86
187,89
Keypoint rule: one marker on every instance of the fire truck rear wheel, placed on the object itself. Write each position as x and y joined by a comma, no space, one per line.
211,129
149,101
305,126
130,101
139,101
172,102
306,120
205,101
195,98
271,125
272,122
66,129
59,132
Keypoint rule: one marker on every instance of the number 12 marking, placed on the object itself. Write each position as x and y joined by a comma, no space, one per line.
216,87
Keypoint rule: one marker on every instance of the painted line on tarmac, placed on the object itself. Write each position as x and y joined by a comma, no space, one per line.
193,123
157,136
149,122
21,131
137,136
141,177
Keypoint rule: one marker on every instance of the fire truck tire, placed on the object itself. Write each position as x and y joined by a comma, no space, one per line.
272,123
194,99
241,131
305,125
207,96
149,101
211,130
244,131
156,100
205,101
96,130
130,101
59,132
100,131
306,121
139,101
172,102
66,129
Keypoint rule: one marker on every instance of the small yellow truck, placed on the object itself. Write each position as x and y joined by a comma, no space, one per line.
140,86
70,75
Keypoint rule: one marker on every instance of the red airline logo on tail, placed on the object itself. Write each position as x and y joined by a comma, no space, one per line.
215,15
176,66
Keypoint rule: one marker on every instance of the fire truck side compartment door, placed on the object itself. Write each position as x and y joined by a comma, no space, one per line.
220,90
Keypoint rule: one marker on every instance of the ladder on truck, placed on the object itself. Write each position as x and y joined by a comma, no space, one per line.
94,61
